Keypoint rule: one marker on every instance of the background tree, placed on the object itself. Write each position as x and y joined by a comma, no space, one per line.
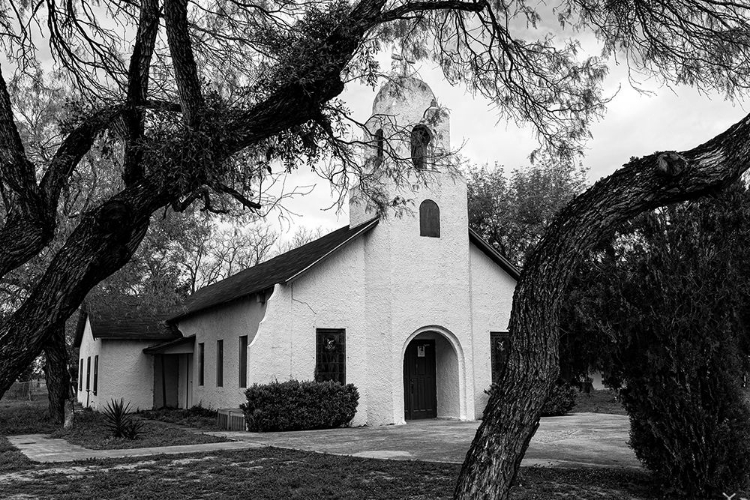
512,212
282,64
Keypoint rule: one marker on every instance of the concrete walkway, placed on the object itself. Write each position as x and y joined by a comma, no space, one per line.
580,439
40,448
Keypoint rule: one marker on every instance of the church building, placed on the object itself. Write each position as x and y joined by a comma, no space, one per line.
413,310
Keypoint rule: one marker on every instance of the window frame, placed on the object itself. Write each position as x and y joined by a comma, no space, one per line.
420,139
243,362
220,363
80,377
96,374
498,336
201,363
88,374
429,219
322,367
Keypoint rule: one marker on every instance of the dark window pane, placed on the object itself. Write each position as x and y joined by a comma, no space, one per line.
88,373
219,363
201,361
330,355
243,361
429,219
96,373
499,350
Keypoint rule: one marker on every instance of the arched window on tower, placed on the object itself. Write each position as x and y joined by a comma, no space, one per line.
379,143
420,139
429,219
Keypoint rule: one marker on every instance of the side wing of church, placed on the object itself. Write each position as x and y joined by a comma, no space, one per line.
412,310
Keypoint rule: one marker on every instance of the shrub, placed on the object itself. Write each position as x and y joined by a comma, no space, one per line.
688,421
295,405
560,401
120,422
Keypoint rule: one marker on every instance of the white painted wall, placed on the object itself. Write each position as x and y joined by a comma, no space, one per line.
491,303
124,372
90,348
228,323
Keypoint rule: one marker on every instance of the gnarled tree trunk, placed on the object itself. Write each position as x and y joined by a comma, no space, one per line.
57,375
512,414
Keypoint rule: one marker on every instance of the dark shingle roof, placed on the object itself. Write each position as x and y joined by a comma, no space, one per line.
126,323
281,269
493,254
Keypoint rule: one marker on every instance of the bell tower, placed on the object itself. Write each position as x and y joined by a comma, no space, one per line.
408,128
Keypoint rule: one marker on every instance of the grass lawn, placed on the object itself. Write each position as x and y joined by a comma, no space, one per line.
273,473
90,431
603,401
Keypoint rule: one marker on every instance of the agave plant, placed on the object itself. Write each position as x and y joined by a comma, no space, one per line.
120,421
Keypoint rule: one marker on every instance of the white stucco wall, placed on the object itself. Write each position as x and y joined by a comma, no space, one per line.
90,348
228,323
330,295
491,303
124,372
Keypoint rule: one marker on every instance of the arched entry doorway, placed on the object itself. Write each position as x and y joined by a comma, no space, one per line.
431,377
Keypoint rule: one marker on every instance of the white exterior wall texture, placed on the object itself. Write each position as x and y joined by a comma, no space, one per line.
124,372
227,323
491,303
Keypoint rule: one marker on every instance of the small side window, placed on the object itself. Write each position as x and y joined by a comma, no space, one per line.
499,350
96,373
429,219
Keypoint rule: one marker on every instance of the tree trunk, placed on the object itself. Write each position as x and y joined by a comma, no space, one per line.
512,413
57,374
102,243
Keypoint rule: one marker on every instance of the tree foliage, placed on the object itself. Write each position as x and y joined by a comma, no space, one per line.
667,305
512,212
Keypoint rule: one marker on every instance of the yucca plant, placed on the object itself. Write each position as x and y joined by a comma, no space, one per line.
120,421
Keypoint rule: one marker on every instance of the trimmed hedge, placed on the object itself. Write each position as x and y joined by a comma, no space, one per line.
295,405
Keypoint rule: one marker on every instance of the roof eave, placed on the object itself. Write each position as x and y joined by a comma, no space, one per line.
493,254
364,228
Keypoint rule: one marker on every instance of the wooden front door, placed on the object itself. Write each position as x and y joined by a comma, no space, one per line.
420,388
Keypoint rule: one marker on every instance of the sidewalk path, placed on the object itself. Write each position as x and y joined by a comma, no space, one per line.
40,448
580,439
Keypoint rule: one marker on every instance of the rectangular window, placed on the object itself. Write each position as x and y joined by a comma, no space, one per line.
219,363
330,355
80,376
88,373
499,350
243,361
96,373
201,359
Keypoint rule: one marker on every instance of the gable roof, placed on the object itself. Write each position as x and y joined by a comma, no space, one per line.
124,322
280,269
493,254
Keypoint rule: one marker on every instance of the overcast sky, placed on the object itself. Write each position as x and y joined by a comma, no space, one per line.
635,125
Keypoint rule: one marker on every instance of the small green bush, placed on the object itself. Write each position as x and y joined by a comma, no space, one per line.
120,422
561,400
295,405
